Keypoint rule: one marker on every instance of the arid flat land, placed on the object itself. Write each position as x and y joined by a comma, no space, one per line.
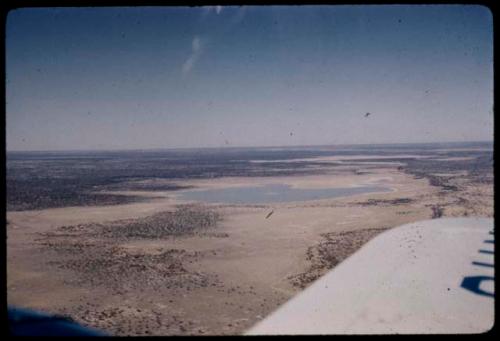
128,256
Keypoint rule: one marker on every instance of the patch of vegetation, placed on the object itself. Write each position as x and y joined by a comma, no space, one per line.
334,248
437,211
397,201
187,219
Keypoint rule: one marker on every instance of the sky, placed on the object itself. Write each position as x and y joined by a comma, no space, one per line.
214,76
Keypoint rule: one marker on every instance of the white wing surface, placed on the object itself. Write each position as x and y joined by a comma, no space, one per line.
433,276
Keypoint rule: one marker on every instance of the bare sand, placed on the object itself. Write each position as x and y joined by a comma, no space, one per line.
221,281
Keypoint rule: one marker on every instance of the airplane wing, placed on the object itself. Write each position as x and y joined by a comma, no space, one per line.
433,276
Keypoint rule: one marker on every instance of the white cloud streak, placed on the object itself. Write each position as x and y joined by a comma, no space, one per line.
196,49
206,10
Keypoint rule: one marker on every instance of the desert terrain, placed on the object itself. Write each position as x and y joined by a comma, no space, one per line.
137,258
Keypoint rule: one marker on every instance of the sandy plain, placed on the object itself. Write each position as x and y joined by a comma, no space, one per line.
225,278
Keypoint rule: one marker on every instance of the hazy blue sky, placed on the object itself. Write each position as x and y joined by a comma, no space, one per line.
152,77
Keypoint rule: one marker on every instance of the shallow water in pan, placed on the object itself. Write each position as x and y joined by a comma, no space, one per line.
274,193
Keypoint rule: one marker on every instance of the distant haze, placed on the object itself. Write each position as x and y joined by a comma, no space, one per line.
173,77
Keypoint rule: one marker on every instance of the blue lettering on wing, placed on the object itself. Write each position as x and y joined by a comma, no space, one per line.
473,283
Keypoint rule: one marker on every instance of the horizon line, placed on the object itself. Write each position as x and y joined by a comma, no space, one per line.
241,147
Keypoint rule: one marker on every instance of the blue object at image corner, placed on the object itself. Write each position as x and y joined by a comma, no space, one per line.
24,322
